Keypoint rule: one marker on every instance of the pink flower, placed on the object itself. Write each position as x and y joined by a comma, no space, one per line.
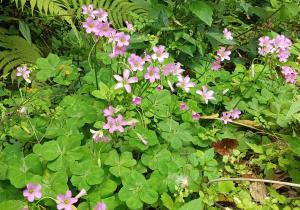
266,46
103,29
110,125
224,54
117,51
206,94
184,83
137,100
66,201
147,57
88,10
108,112
32,192
195,115
100,206
183,106
282,42
235,113
129,26
119,123
227,34
98,136
226,117
216,65
100,14
173,68
122,39
89,25
159,53
290,75
125,81
136,62
24,72
283,55
152,74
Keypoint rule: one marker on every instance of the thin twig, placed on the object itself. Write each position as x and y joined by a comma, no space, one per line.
254,180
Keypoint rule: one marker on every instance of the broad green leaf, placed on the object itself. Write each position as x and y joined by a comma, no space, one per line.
225,187
203,11
25,31
167,201
120,165
192,205
12,205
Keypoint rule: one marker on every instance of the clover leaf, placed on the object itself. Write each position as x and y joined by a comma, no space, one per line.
141,138
174,133
137,190
61,152
24,170
86,174
120,164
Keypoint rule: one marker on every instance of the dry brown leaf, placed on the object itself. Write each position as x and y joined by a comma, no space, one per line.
225,146
258,191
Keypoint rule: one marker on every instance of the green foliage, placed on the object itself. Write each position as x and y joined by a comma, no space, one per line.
56,131
15,51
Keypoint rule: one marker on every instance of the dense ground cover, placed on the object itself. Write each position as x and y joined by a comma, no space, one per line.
120,104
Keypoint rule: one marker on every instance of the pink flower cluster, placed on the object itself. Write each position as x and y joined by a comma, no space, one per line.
280,45
33,192
222,55
289,74
97,23
228,116
114,124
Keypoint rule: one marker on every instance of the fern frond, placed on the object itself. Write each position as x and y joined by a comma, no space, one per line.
16,51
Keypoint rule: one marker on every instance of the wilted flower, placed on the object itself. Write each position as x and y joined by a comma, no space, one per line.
206,94
98,136
183,106
227,34
137,100
81,194
224,54
290,75
182,181
195,115
159,53
159,87
125,81
100,206
152,74
129,26
66,201
216,65
24,72
184,83
32,192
